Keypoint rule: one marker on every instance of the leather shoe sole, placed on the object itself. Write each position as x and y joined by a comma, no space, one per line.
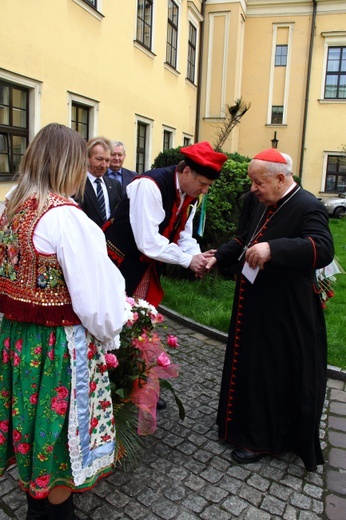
245,457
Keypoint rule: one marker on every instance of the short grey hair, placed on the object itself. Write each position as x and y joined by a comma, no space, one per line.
118,143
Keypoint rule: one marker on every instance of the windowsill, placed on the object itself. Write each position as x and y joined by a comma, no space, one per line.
144,49
279,125
94,12
332,101
171,69
190,83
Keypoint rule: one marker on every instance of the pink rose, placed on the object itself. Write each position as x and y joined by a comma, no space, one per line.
172,341
34,398
156,318
2,439
4,425
19,345
62,392
59,406
23,448
16,359
51,340
51,355
91,350
16,435
111,360
5,357
43,481
38,350
7,342
163,360
92,386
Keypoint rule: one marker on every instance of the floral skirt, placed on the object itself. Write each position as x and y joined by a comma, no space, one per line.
56,416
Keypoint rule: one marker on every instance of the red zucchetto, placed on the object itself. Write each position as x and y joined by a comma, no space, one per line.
271,155
201,158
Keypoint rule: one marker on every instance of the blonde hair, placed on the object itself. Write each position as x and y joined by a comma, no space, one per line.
102,141
55,160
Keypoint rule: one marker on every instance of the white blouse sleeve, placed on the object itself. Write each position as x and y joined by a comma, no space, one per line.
95,284
146,214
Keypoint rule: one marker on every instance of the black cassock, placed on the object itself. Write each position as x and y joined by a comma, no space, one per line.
274,377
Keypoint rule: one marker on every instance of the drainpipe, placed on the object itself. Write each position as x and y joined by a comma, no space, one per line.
199,79
305,117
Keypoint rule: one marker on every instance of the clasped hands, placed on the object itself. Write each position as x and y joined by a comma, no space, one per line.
200,262
256,256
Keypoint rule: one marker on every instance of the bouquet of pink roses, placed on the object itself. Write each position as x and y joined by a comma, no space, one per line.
141,365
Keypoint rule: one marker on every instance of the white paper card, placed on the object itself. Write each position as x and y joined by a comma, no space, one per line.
250,273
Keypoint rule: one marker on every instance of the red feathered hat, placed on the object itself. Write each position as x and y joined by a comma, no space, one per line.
201,158
271,155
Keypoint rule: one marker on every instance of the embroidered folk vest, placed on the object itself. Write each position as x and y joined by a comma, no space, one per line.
32,285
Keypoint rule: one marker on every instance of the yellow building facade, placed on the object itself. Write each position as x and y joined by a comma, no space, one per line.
157,74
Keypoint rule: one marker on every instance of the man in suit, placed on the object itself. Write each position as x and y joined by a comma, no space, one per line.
102,194
116,170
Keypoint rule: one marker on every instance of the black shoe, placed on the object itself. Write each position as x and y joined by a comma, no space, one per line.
245,457
161,404
37,509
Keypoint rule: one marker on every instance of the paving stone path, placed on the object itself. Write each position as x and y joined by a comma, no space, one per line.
187,473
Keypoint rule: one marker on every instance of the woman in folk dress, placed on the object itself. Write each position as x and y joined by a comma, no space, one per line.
63,303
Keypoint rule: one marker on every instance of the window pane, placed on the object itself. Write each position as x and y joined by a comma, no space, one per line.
4,156
333,59
281,55
19,118
277,115
4,115
4,95
19,98
19,147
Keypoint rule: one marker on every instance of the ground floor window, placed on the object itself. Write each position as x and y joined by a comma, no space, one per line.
14,127
336,173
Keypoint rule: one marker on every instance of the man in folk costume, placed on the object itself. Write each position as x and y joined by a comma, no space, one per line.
153,223
274,377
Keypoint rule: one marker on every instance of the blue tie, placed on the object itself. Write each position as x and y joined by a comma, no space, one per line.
101,198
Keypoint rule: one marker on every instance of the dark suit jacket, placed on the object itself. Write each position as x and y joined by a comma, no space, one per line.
90,204
127,176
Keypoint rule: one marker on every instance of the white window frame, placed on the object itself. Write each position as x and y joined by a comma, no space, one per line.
167,65
93,106
194,17
171,130
331,39
35,91
277,26
149,138
97,13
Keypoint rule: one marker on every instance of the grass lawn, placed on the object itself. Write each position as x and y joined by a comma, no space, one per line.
209,301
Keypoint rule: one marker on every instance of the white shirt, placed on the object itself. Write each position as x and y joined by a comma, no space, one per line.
95,284
146,214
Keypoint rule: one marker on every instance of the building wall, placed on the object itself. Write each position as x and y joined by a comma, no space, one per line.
255,28
66,51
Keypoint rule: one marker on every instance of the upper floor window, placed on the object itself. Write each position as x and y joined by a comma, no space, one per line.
335,86
172,34
186,141
277,115
191,55
281,55
144,22
14,127
336,173
80,119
